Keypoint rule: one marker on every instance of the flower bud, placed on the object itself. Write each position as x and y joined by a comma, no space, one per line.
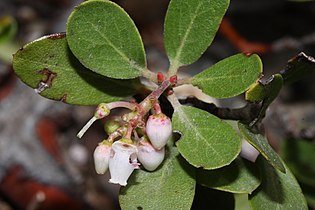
101,157
112,124
122,162
101,111
159,130
148,156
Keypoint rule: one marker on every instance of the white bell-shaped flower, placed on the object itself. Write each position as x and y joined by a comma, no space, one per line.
148,156
101,157
159,130
122,162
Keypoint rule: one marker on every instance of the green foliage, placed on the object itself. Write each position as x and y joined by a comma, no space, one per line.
190,26
229,77
172,184
241,176
206,141
261,144
256,93
101,61
104,39
277,191
49,60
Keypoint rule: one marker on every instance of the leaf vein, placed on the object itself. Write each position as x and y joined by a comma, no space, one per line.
130,61
182,43
183,117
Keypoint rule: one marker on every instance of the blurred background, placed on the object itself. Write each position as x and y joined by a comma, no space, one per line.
42,163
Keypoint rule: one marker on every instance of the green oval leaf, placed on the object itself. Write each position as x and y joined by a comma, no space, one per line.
50,61
241,176
190,26
206,141
229,77
171,185
277,191
261,144
104,39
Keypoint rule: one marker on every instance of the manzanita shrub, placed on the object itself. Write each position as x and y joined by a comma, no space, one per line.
101,60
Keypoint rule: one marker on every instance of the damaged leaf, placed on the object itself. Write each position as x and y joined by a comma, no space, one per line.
48,66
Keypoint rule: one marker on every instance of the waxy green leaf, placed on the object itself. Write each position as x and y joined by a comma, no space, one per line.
172,185
190,26
277,191
49,60
256,93
261,144
104,39
241,176
229,77
206,141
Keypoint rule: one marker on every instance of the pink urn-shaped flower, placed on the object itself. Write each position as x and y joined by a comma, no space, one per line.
159,130
148,156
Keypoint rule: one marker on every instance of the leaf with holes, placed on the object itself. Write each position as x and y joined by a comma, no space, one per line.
229,77
171,185
104,39
190,26
277,191
206,141
50,61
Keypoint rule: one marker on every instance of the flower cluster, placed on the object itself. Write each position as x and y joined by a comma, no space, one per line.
130,140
